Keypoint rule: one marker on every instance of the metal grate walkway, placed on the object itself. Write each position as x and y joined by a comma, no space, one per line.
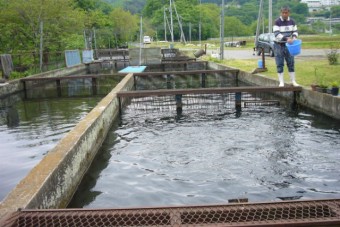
293,213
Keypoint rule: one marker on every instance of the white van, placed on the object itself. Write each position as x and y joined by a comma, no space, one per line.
146,39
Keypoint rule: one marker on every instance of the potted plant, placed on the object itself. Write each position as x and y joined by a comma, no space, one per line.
335,88
314,86
317,80
322,88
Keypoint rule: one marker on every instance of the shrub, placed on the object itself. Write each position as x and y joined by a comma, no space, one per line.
17,75
333,56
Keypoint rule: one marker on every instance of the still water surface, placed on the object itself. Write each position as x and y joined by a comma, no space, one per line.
264,154
30,127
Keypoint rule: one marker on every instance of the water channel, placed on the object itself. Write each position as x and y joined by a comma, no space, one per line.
30,127
211,153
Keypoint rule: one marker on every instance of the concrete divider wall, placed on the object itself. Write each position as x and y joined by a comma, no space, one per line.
52,183
15,86
321,102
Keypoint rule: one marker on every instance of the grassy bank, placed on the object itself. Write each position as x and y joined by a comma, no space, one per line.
309,42
308,71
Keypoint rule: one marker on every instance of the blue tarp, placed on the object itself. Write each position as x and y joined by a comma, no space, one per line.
133,69
87,56
72,58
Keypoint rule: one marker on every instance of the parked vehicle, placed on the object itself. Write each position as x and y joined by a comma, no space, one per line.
266,42
146,40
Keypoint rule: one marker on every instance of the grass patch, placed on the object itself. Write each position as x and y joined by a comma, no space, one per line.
307,71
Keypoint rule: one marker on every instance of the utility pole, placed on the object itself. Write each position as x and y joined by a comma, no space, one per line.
164,25
200,25
222,32
95,39
270,17
259,18
85,41
180,25
330,20
140,40
171,23
190,32
41,44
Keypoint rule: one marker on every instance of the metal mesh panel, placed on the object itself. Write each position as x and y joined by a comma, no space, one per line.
301,213
198,103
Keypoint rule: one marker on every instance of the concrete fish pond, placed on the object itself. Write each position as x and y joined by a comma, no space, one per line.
230,140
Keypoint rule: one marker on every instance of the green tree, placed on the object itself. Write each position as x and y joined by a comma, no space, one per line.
124,25
319,26
90,5
134,6
210,16
234,27
335,10
305,29
21,20
247,13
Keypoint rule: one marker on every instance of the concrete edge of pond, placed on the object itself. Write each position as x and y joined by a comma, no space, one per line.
320,102
53,181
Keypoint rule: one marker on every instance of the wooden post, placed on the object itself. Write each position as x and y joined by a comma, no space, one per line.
58,88
236,78
294,104
134,82
238,99
203,78
120,106
94,86
25,89
168,83
263,60
179,104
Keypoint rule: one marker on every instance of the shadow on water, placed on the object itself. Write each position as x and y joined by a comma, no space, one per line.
102,160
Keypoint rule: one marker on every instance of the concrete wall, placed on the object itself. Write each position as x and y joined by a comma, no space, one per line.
321,102
15,86
52,183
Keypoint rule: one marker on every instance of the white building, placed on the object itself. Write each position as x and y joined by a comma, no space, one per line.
315,5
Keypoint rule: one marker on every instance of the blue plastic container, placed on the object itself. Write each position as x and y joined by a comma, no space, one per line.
295,47
259,64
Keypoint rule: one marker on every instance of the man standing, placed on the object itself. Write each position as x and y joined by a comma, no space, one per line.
285,31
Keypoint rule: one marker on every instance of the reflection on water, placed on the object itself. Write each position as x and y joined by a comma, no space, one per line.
72,88
265,154
30,127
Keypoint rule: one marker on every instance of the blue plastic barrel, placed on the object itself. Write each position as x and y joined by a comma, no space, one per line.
260,64
295,47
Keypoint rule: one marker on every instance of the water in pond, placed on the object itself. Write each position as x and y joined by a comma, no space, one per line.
30,127
155,157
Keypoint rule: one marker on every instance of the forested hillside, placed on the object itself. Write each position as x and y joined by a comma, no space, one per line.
115,3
